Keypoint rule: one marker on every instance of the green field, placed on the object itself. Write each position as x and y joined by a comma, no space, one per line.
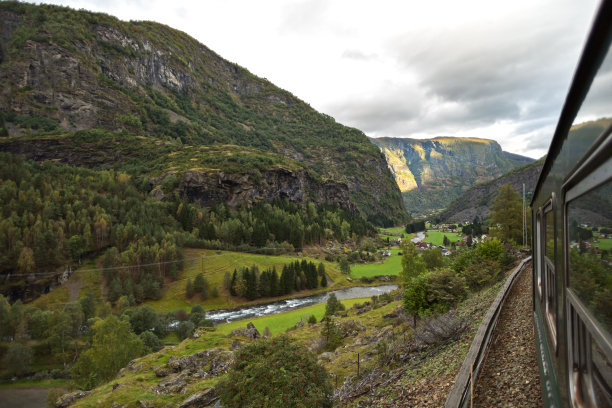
214,264
391,266
605,244
280,322
437,237
397,231
393,233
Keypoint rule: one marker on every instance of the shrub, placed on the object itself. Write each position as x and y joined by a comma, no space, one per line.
312,319
17,359
275,373
444,289
491,249
479,275
415,297
150,340
185,329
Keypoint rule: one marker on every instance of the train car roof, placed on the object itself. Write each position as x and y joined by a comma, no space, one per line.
593,54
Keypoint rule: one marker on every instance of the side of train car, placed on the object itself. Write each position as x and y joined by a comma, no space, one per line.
572,237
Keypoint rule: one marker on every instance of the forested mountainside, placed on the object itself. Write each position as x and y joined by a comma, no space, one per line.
132,141
477,200
433,172
90,90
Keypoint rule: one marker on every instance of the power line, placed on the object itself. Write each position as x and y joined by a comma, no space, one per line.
254,251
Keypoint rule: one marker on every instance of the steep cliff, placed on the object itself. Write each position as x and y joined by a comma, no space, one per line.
432,172
97,91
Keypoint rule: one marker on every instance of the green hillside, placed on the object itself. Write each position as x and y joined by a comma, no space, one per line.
90,90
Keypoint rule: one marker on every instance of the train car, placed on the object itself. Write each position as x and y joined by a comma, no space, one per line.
572,236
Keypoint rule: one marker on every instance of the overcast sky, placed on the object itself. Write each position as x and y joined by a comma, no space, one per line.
491,69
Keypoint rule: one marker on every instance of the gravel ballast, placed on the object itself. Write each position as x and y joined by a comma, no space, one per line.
511,377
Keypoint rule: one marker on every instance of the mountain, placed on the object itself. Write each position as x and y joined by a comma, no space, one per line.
477,200
87,89
432,172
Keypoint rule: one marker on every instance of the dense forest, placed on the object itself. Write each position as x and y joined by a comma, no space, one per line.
251,284
54,215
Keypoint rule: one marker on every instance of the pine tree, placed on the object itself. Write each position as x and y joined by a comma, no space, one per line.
506,214
331,334
233,284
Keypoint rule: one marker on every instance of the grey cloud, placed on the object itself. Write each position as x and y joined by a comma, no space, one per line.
376,112
516,71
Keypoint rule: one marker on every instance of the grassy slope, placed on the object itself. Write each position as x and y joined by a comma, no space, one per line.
433,363
216,263
605,244
392,265
437,237
279,323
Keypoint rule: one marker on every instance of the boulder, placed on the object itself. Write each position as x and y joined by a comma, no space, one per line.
236,345
174,383
200,399
67,399
326,356
162,370
250,332
351,328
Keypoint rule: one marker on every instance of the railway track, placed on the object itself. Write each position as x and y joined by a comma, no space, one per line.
502,356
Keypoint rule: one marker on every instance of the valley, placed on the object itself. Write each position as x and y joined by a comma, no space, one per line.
431,173
170,222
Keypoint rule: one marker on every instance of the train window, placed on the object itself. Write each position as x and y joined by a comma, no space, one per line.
538,255
589,221
550,281
549,250
590,365
588,213
601,372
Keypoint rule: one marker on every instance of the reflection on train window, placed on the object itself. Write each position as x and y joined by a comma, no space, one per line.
601,372
550,235
590,243
550,282
591,369
538,251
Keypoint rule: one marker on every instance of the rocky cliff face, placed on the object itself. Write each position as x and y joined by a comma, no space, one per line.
64,71
432,172
208,188
476,201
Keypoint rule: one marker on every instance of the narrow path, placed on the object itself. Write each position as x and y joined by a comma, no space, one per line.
74,285
511,377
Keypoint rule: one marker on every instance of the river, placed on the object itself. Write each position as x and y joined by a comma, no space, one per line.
23,397
247,312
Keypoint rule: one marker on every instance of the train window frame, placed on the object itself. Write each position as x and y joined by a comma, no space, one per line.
539,256
549,280
583,328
